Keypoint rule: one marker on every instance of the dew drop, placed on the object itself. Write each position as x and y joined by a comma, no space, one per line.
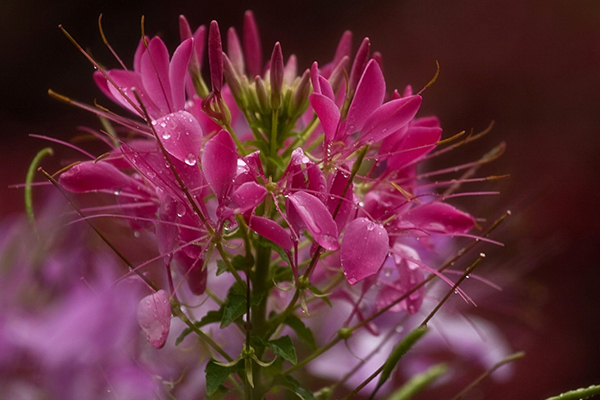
352,281
162,124
136,234
180,209
166,135
190,159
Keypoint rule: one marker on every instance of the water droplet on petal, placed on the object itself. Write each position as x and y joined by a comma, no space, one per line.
352,281
166,135
180,209
190,159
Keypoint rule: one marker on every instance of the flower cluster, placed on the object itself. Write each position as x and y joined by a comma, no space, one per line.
270,193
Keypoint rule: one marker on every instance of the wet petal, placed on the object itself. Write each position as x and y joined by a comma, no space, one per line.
272,231
154,317
364,249
90,176
219,162
180,135
249,195
307,211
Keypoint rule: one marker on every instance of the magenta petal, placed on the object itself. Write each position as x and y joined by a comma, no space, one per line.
252,47
440,218
358,66
249,195
125,81
369,96
328,113
154,317
272,231
177,73
315,217
90,176
335,197
314,77
389,118
364,248
219,162
139,52
417,142
181,135
155,75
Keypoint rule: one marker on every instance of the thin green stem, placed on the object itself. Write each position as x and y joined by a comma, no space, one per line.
28,188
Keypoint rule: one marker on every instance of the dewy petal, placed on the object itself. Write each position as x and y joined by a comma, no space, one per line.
248,196
335,197
369,96
417,142
219,162
440,217
90,176
364,248
314,216
177,72
125,81
328,113
181,135
154,317
389,118
155,75
272,231
252,47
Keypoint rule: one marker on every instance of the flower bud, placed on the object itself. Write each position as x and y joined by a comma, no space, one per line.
276,76
215,56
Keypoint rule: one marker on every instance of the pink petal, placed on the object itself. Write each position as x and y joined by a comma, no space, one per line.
389,118
358,66
369,96
177,73
155,75
90,176
328,113
181,136
126,81
252,47
314,77
343,50
326,88
307,211
248,196
440,218
272,231
364,248
219,162
154,317
347,205
418,141
276,72
139,52
195,273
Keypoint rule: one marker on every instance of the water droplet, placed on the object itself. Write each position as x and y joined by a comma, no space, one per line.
352,281
117,192
190,159
162,124
151,174
136,234
180,209
399,329
166,135
467,276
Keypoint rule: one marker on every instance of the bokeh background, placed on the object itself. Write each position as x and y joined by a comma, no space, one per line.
532,66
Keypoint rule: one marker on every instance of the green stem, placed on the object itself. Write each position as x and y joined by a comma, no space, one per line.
29,181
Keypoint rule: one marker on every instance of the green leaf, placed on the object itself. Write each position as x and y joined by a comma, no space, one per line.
211,317
301,330
221,267
294,386
278,249
418,382
216,375
239,262
583,393
400,350
234,308
284,347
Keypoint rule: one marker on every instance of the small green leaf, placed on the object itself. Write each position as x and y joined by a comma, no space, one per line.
400,350
211,317
294,386
240,263
301,330
278,249
221,267
216,375
284,348
234,307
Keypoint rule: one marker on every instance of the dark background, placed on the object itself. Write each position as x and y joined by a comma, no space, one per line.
531,66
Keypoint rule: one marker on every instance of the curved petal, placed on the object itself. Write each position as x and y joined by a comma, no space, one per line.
364,248
370,93
272,231
389,118
177,73
181,135
219,162
328,113
154,317
307,211
417,142
155,75
248,196
90,176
